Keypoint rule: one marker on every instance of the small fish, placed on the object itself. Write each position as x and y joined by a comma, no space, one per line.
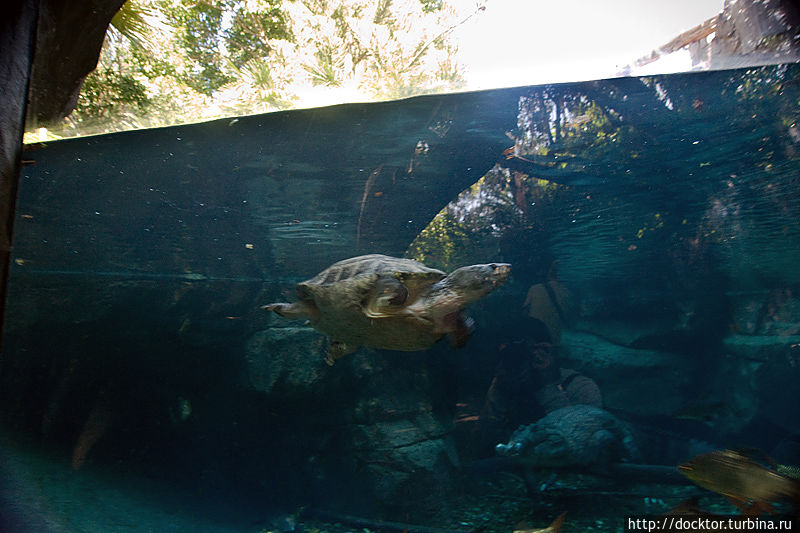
555,527
747,484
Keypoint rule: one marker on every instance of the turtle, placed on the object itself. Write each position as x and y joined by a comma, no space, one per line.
390,303
574,436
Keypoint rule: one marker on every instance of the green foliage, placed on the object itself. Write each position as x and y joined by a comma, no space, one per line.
328,68
383,15
200,32
148,66
107,94
316,7
404,51
250,32
131,22
213,45
429,6
444,243
256,77
184,60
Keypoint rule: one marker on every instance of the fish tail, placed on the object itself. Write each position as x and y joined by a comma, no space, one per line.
558,523
796,502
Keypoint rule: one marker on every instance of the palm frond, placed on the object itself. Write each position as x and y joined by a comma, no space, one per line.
134,21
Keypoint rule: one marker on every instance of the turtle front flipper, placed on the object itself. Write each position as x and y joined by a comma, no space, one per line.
294,311
337,350
458,327
389,294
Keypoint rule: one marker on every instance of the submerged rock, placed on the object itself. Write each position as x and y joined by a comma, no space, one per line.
626,375
759,347
373,417
767,312
285,361
779,396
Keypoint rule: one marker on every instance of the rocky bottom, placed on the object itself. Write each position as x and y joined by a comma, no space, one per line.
40,492
502,505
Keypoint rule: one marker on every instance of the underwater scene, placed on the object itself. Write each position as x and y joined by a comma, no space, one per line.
569,307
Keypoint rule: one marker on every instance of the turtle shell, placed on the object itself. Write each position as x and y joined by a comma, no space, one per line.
350,281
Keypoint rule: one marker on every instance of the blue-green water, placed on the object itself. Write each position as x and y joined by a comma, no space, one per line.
139,372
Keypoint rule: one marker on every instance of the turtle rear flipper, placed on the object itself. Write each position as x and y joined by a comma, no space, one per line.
294,311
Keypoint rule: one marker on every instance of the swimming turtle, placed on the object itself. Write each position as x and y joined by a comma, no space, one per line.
390,303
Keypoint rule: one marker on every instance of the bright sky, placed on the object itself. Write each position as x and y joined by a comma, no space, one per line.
527,42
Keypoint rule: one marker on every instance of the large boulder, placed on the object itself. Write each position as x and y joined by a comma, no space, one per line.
374,410
761,367
774,312
626,375
779,396
288,362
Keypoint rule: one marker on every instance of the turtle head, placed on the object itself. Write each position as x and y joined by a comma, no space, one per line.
476,281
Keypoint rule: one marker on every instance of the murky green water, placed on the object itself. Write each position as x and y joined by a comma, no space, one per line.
139,372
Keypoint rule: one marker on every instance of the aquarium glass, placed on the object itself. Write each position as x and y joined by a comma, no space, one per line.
651,318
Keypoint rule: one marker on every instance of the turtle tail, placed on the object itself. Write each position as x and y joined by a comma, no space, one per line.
293,311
